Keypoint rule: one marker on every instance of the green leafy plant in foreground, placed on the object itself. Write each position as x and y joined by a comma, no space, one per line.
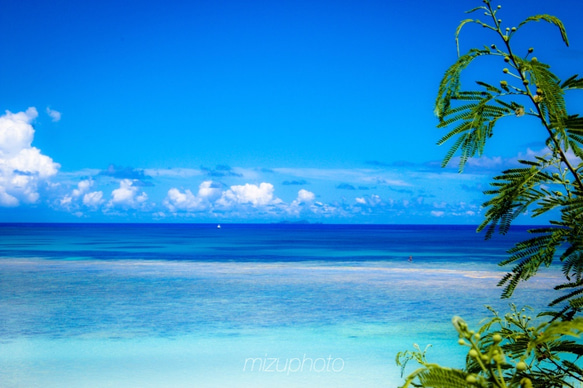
511,351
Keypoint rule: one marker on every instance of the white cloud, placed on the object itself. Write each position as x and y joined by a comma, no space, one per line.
66,201
22,167
328,210
261,195
81,194
16,132
485,162
305,196
303,202
210,195
372,200
208,191
127,195
55,115
82,187
436,213
176,200
93,199
7,200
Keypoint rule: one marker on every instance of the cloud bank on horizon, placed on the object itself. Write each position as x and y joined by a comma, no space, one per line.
376,193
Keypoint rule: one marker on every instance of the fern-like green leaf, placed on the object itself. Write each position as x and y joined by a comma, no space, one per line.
573,83
489,87
475,123
555,330
515,192
443,378
450,84
550,19
552,103
532,253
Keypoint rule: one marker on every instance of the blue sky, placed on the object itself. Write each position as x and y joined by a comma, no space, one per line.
247,111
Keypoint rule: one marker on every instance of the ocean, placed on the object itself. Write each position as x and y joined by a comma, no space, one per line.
262,305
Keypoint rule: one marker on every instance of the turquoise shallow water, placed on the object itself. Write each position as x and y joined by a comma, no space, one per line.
196,307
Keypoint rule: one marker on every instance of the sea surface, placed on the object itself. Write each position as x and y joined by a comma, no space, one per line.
269,305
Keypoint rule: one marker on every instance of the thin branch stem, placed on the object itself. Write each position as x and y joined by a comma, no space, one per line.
566,371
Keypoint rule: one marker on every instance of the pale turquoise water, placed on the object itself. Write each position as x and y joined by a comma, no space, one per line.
179,306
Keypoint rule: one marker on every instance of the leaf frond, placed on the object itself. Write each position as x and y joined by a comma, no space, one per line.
550,19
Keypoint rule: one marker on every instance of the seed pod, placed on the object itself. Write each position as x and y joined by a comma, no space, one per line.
530,50
505,70
460,325
471,379
521,366
497,338
506,59
498,359
461,341
473,353
525,82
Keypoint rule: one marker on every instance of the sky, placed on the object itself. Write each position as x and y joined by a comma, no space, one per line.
249,111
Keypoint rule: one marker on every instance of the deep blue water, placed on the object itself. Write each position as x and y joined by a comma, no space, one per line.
116,305
253,242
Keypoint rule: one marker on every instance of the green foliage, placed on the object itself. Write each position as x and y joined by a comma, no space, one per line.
549,184
550,19
508,351
513,351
